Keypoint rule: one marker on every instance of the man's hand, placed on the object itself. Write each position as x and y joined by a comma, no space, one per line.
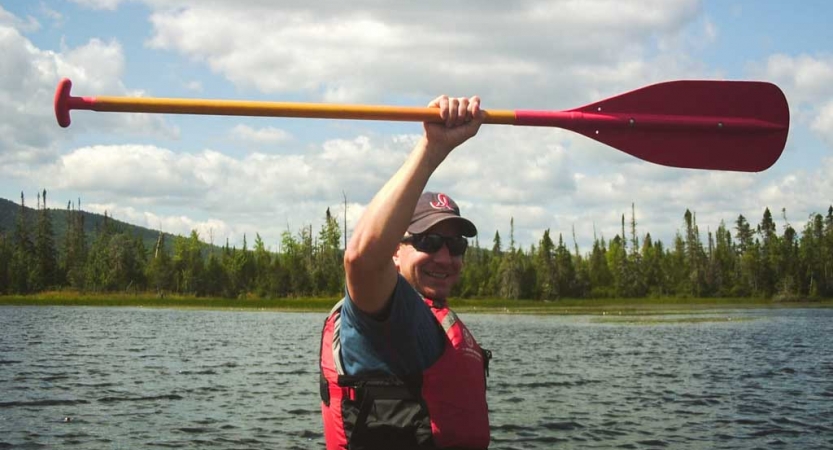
462,117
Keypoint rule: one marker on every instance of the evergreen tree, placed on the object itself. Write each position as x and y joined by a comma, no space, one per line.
747,275
724,263
21,267
294,260
677,269
115,262
188,264
637,283
769,255
811,245
232,269
97,269
565,271
652,263
510,270
195,264
283,283
695,256
527,274
474,279
545,265
46,257
139,276
788,266
617,262
246,268
494,282
159,270
74,258
125,264
581,286
497,247
5,259
263,282
826,283
601,277
215,277
744,234
329,268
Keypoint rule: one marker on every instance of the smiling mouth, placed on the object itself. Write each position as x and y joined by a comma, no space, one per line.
439,275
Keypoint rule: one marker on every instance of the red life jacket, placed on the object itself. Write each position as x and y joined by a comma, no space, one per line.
442,407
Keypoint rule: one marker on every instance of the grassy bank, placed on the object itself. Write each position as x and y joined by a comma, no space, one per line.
150,300
620,306
645,306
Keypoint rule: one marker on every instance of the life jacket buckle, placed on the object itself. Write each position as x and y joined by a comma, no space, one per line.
487,356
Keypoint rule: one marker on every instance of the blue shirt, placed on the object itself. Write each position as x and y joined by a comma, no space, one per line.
407,341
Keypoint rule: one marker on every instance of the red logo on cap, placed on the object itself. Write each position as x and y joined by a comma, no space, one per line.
442,202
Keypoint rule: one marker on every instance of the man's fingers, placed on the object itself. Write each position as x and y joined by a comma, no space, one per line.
441,103
474,106
456,111
453,112
463,113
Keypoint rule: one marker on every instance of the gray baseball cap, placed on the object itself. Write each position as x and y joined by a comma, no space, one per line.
435,207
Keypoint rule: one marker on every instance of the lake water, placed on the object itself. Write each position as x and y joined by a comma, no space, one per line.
93,378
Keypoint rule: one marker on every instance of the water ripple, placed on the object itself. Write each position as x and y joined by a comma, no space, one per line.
225,380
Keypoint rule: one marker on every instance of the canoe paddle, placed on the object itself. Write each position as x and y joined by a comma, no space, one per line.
718,125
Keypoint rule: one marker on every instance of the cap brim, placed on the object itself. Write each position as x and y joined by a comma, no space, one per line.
466,227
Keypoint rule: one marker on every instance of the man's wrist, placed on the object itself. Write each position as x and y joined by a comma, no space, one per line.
433,153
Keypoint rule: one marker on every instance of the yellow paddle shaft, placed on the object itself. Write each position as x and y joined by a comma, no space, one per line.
274,109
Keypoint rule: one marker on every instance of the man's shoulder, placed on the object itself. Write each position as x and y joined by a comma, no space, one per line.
403,295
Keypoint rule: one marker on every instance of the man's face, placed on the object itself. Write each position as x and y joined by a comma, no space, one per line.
431,274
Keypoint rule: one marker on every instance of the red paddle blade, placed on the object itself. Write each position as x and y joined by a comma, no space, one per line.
719,125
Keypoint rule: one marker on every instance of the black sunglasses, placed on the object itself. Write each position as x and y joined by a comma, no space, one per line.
431,243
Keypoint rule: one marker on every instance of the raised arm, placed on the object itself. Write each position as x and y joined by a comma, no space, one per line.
368,263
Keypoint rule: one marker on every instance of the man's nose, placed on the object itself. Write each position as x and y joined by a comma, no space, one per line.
443,254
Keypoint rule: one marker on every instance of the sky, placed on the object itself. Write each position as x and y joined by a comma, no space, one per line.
230,177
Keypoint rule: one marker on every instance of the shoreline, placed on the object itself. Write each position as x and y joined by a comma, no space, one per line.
601,307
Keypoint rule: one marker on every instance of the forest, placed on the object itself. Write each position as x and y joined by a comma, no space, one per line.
740,260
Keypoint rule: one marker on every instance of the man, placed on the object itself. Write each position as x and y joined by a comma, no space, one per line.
398,369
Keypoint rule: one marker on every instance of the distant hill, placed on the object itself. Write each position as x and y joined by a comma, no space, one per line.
10,210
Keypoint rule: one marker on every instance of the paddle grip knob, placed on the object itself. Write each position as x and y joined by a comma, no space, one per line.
62,102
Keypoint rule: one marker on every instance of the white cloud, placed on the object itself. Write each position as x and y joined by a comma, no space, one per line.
713,196
273,188
27,26
29,135
508,165
132,170
805,77
25,71
710,31
801,192
367,50
260,192
193,85
808,84
56,17
266,135
209,230
99,4
823,123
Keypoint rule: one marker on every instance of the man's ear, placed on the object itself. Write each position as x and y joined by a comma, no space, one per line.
396,256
